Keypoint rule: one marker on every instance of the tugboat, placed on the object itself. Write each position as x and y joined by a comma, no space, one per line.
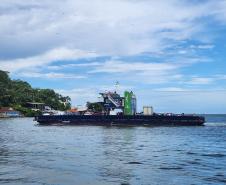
100,114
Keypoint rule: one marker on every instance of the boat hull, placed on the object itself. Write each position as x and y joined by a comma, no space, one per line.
120,120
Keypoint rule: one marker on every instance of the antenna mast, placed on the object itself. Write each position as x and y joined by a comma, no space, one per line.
116,86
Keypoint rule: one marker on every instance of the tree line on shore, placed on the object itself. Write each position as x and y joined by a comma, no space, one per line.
16,94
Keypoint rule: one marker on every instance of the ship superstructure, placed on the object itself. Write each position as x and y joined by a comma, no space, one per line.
127,105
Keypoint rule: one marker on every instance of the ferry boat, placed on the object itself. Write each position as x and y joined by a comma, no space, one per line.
99,113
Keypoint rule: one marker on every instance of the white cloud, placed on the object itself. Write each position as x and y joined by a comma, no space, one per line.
171,89
35,34
220,77
204,46
114,66
60,67
44,59
140,72
113,27
201,81
50,75
219,10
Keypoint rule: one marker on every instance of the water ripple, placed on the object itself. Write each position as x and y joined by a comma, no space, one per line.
83,155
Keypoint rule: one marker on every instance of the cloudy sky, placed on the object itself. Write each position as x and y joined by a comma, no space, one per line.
171,53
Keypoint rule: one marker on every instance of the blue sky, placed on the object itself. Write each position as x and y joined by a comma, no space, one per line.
171,53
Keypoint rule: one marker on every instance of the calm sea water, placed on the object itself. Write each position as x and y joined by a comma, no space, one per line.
69,155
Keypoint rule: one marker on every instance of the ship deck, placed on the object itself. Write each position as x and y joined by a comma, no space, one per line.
122,120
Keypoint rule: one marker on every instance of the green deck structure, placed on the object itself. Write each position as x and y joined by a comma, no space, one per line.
128,103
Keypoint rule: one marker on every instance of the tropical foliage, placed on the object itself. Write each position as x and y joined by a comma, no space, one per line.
16,93
95,107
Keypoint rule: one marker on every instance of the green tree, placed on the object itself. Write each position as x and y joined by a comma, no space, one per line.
95,107
4,88
17,93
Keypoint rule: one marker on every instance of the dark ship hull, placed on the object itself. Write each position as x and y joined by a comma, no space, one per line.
122,120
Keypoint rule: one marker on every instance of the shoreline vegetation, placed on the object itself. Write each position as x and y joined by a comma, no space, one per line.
17,93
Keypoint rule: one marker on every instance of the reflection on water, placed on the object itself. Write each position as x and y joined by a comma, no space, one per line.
83,155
